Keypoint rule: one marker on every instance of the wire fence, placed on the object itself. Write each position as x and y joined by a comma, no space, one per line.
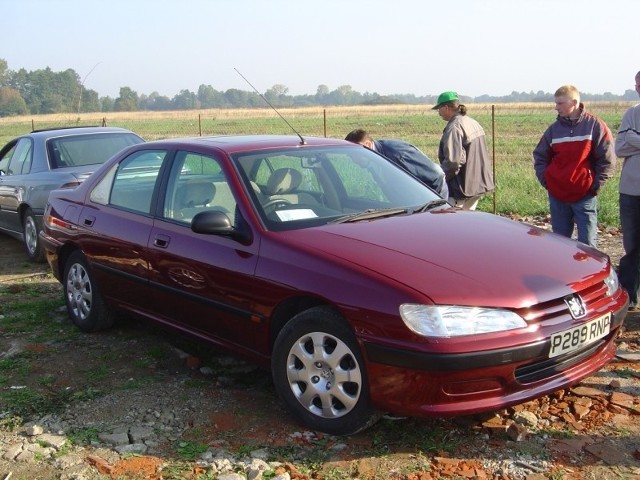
513,131
515,128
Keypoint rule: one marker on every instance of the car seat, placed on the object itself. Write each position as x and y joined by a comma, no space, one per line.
283,185
194,197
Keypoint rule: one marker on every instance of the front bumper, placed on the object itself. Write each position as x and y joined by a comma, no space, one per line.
424,384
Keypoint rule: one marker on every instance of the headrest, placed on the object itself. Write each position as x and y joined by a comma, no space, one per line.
284,180
256,188
196,193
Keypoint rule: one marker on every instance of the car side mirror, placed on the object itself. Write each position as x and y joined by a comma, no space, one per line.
215,222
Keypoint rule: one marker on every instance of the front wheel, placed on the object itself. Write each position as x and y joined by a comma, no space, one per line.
84,302
319,373
32,243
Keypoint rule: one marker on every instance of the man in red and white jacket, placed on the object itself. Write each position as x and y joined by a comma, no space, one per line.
573,160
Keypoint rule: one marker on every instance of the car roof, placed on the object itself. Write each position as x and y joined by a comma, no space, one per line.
60,132
240,143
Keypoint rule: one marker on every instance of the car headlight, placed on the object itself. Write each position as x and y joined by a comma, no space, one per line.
455,321
612,282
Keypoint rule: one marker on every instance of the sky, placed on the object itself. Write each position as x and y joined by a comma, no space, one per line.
423,47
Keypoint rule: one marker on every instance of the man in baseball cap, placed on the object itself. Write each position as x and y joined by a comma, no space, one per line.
463,154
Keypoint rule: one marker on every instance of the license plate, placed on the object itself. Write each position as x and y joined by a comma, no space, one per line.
577,337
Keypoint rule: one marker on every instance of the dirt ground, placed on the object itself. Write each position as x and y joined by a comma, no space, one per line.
589,432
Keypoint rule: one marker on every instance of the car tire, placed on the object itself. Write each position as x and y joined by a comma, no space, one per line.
319,373
31,236
85,305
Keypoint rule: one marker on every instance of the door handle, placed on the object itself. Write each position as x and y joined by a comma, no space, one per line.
89,221
161,241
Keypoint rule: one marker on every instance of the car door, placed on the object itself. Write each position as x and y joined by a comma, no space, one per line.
203,282
15,163
117,222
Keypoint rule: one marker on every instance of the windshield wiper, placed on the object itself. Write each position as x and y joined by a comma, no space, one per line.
371,214
429,205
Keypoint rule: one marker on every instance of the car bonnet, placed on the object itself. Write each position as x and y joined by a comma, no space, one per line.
463,258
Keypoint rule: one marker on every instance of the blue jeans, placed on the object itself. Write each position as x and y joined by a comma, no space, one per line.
583,213
629,271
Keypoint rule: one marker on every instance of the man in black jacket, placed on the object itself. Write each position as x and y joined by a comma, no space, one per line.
407,156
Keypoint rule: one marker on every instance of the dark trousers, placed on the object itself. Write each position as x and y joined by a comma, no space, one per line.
629,271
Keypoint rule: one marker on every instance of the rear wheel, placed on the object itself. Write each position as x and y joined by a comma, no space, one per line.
32,244
82,296
319,373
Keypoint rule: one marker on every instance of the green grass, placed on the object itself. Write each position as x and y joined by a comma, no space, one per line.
83,436
190,450
426,436
26,402
96,374
29,313
19,366
8,423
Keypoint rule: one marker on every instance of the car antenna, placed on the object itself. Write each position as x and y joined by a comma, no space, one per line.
302,141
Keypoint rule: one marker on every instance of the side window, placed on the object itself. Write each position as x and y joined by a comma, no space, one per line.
18,159
87,149
131,183
197,183
4,161
263,172
28,157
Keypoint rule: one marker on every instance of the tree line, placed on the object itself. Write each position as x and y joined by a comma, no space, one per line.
43,91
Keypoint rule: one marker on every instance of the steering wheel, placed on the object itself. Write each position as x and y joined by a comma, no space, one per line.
276,202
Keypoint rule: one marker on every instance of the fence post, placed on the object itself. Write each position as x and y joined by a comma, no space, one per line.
324,113
200,124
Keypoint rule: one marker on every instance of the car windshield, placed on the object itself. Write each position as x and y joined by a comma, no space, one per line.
87,149
303,187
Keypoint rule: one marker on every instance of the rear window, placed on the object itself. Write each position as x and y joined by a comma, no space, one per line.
94,149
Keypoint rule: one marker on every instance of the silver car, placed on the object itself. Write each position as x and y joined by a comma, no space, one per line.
33,164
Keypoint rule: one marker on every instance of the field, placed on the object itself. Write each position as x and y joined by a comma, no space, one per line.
513,131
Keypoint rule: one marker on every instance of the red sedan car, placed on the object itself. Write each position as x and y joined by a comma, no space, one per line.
360,288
